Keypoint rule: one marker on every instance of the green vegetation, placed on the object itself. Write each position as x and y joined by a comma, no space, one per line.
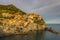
21,12
1,23
1,16
9,17
10,9
39,21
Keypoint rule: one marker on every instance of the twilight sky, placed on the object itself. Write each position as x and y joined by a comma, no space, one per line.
48,9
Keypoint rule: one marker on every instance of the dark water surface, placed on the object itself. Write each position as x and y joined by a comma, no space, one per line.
37,36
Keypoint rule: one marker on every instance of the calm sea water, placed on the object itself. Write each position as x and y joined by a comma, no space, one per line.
37,36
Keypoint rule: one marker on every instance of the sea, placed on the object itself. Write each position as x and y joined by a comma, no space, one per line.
46,35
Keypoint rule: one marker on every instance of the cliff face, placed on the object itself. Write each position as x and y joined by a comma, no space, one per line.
18,22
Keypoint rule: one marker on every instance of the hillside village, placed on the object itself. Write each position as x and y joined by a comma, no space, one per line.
15,21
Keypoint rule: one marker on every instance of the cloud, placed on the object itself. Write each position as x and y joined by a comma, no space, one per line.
45,7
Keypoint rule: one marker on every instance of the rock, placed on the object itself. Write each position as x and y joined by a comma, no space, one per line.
15,21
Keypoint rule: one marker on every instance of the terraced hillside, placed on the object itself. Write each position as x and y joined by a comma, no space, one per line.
15,21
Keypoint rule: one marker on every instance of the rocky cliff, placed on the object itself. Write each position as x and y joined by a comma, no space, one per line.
15,21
